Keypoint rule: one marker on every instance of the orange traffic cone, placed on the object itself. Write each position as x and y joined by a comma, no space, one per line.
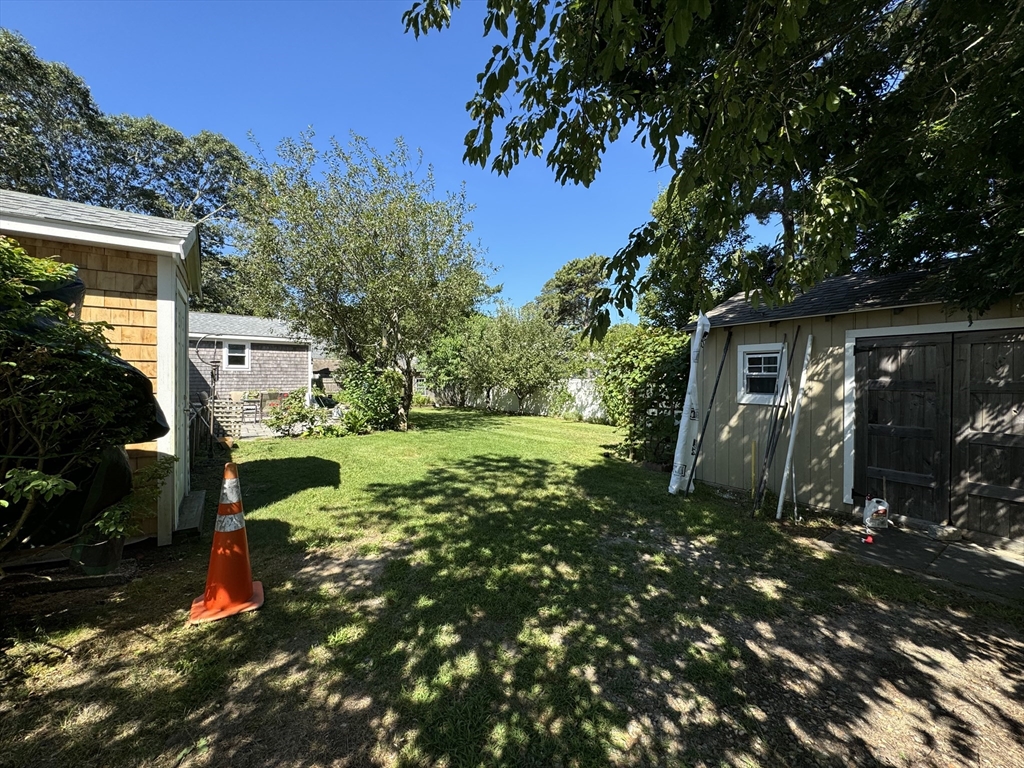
229,585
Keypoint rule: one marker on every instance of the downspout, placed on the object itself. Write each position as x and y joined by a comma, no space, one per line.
309,373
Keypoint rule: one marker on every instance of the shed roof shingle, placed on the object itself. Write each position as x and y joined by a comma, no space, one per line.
834,296
47,208
240,325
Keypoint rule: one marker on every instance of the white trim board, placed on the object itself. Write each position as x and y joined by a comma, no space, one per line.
747,398
180,248
258,339
80,233
166,360
850,373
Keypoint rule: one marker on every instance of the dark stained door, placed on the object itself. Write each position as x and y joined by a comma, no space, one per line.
988,418
902,423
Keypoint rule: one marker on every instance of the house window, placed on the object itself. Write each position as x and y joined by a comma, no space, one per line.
236,355
758,373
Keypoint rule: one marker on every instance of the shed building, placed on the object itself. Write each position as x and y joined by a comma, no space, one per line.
139,272
904,399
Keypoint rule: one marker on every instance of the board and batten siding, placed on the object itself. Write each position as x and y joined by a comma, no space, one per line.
818,458
120,289
272,368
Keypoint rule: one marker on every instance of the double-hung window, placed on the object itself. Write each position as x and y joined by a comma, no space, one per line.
759,368
236,355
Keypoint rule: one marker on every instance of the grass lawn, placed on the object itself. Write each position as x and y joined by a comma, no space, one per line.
491,590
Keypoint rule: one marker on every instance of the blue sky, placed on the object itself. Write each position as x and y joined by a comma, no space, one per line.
274,69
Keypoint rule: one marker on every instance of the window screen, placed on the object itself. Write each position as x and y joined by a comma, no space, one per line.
236,356
762,372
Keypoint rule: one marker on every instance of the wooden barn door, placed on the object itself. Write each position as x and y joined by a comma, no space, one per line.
902,422
988,416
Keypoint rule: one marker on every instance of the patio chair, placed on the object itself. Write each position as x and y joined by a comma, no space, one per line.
253,406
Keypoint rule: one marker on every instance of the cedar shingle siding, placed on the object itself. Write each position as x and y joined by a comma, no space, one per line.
120,289
272,367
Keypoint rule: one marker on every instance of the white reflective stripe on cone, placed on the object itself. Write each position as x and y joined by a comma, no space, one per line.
230,492
227,523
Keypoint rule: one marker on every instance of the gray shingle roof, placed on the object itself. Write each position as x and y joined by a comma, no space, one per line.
240,325
833,296
46,208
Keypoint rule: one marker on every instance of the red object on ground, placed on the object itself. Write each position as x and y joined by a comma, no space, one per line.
868,539
229,585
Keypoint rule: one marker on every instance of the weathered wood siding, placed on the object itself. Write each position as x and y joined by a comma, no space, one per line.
120,290
735,428
272,368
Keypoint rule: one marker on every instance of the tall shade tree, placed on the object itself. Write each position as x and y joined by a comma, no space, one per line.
356,249
881,134
672,290
50,127
567,299
55,142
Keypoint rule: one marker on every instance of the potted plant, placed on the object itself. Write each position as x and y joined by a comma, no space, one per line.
98,550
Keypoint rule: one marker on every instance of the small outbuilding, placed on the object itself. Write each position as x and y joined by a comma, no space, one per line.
139,272
904,399
250,354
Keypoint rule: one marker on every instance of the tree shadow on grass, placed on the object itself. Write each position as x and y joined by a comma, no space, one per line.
268,481
537,614
603,625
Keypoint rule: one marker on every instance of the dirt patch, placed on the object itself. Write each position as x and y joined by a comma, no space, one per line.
865,683
346,572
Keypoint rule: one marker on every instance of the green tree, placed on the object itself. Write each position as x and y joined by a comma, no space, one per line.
567,299
459,364
55,142
670,294
354,248
880,134
50,127
528,352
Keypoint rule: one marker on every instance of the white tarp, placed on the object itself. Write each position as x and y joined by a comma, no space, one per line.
689,423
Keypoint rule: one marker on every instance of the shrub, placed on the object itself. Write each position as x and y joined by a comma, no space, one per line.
326,430
422,400
643,385
375,393
355,422
290,415
560,401
64,397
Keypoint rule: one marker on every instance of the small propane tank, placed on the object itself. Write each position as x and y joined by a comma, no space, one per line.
876,515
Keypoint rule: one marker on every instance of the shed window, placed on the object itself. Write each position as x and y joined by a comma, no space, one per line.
236,355
758,369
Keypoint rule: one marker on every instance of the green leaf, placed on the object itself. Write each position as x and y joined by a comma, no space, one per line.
791,27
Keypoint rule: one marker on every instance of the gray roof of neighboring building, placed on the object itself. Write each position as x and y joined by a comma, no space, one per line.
47,208
232,326
833,296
